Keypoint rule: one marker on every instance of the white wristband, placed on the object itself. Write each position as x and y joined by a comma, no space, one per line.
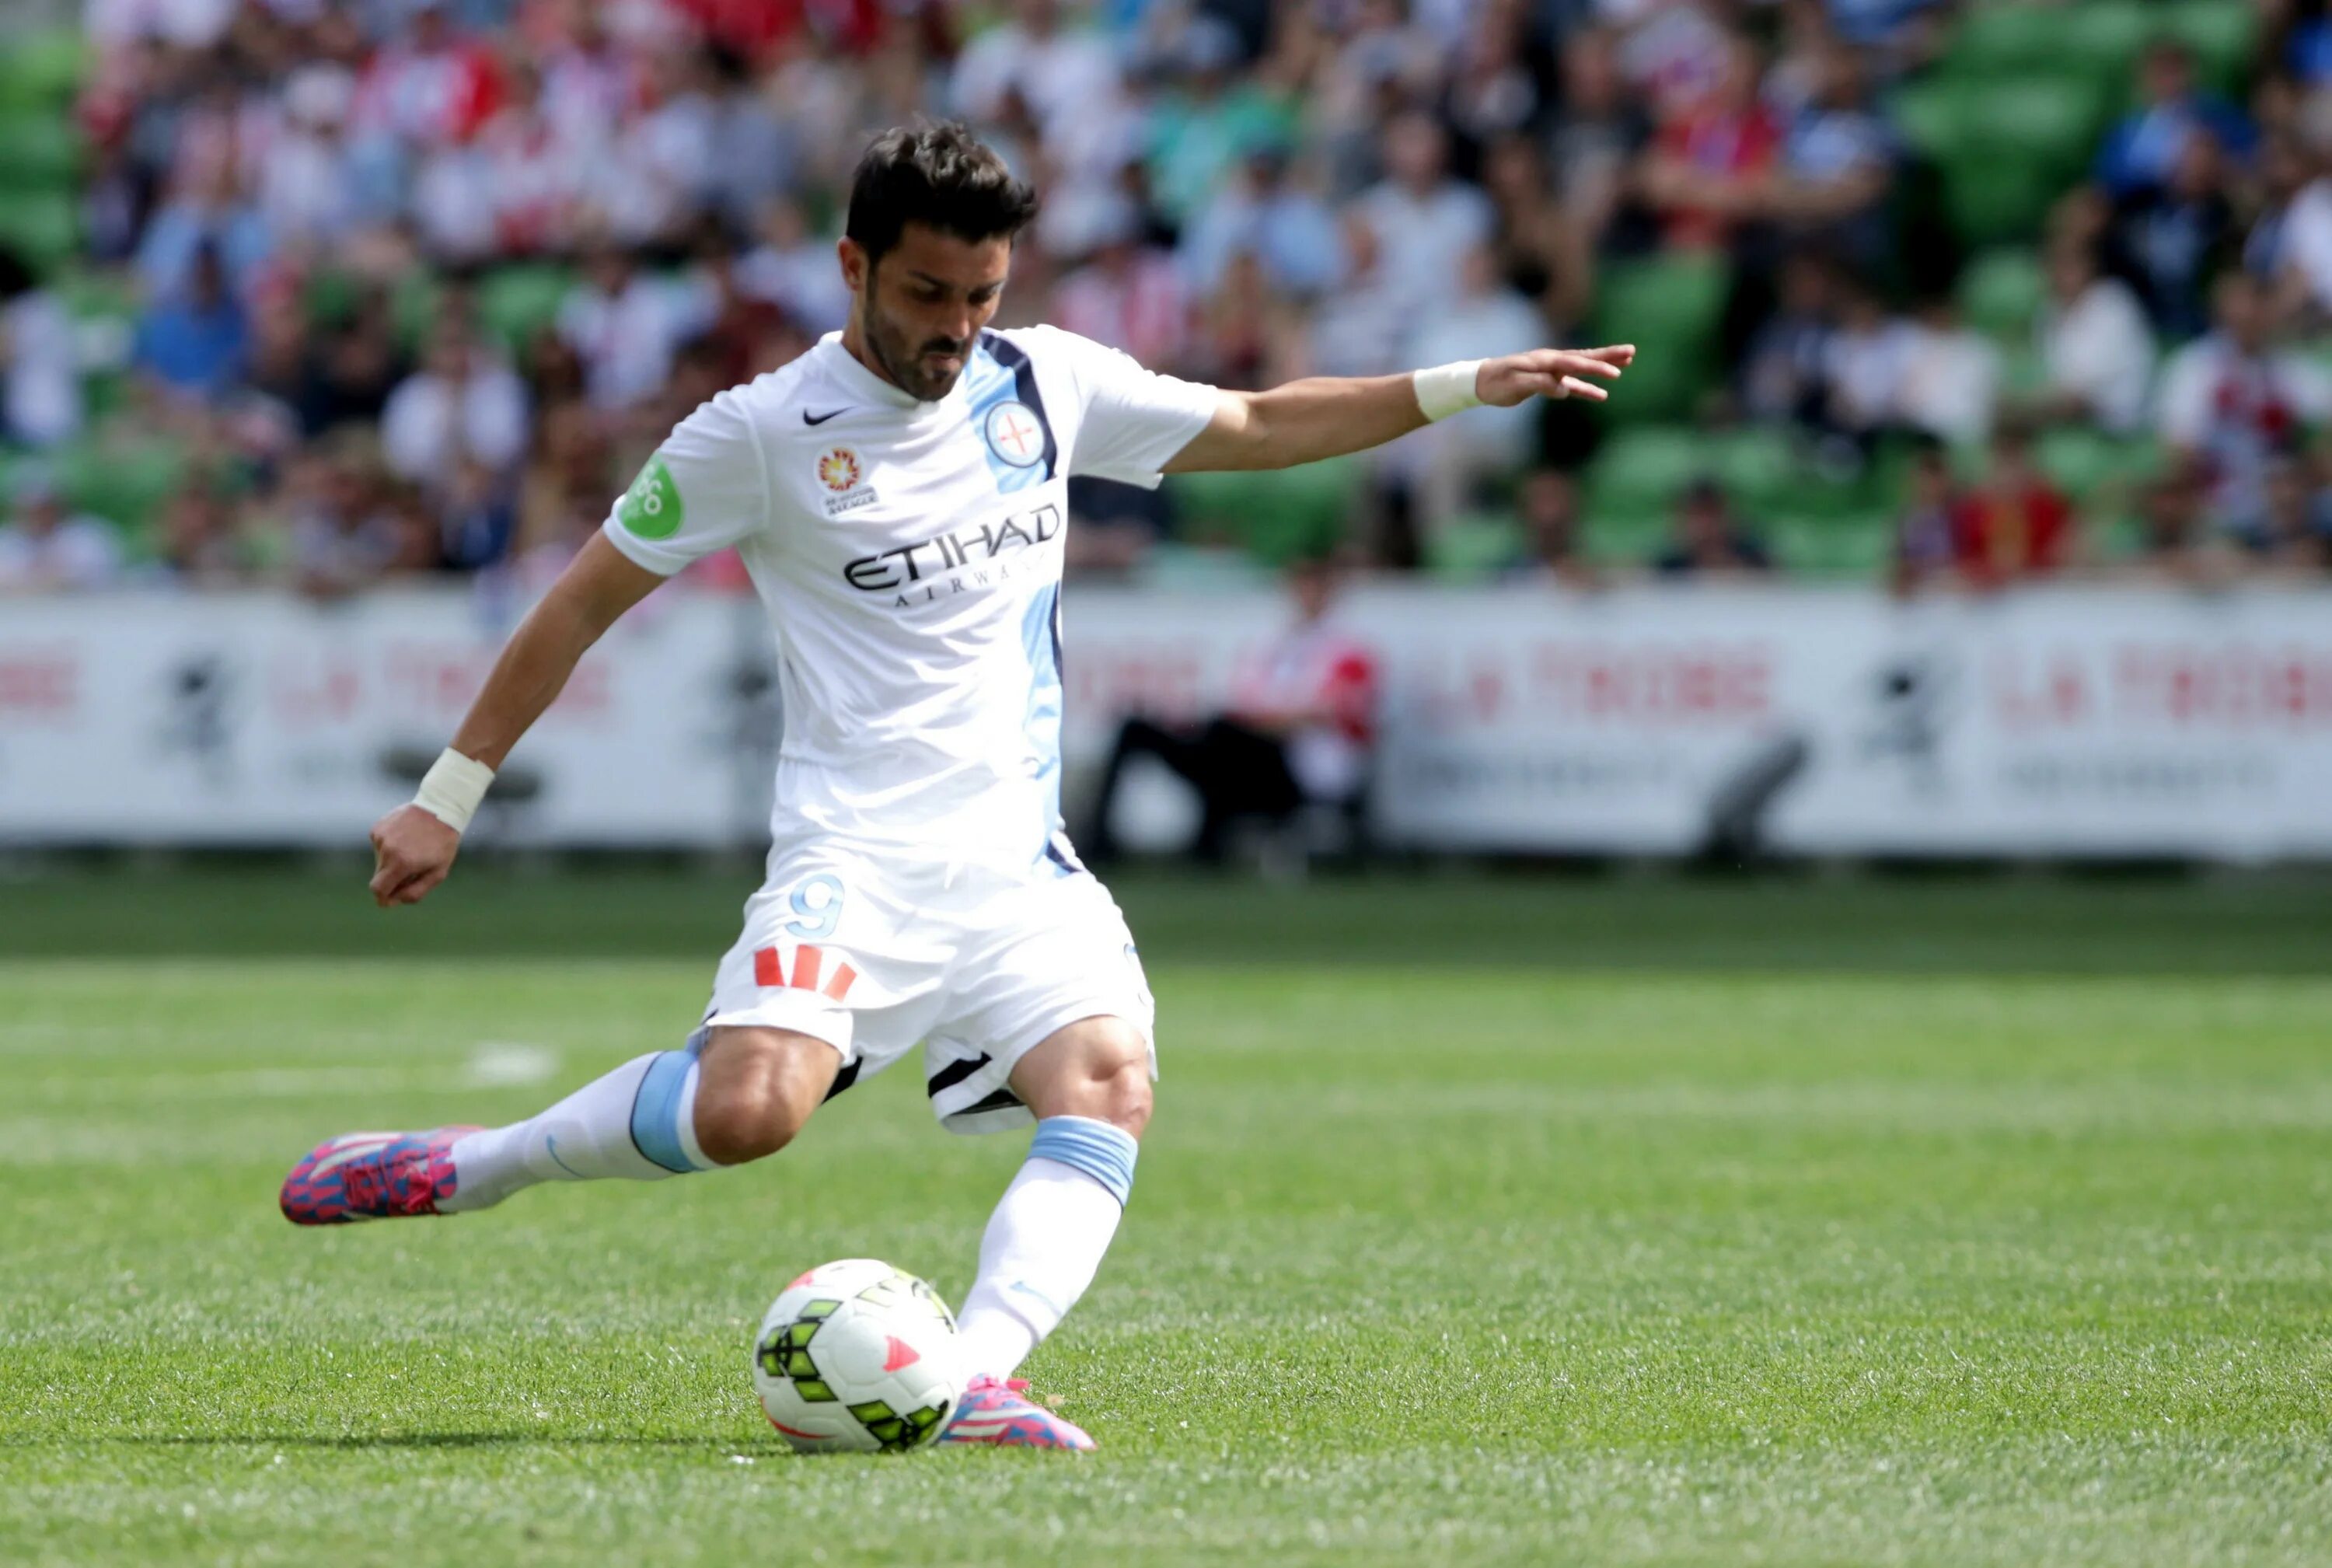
1446,389
449,791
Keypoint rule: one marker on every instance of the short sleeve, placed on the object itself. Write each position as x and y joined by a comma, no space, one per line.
703,491
1133,420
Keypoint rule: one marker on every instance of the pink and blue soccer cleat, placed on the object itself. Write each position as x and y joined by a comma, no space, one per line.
372,1176
997,1411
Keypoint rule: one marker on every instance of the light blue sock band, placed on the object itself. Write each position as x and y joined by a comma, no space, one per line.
1101,1151
660,1104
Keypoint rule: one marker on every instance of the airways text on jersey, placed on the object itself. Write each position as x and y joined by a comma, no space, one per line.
955,561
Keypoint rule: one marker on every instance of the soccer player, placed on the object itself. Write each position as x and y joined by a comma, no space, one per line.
898,495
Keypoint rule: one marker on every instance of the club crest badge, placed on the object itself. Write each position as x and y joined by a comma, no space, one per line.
1014,434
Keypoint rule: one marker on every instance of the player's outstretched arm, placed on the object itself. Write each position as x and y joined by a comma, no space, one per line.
1329,415
414,845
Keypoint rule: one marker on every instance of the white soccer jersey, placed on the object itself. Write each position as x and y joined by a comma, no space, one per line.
909,554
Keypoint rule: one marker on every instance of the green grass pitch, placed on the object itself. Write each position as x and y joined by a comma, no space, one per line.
1484,1220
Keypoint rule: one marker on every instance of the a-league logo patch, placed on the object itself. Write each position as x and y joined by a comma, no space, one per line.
651,508
1014,434
839,469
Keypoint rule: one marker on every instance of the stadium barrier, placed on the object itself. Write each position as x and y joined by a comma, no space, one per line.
1648,721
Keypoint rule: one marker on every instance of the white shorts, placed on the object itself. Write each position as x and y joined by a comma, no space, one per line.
873,956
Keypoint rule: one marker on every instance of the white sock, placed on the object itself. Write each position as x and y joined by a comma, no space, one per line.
637,1123
1046,1240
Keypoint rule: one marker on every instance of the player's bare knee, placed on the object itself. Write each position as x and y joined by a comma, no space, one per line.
757,1090
749,1123
1123,1096
1099,1068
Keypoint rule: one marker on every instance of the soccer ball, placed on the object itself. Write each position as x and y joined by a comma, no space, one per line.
858,1357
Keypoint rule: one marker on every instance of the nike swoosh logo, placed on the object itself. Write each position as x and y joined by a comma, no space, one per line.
809,419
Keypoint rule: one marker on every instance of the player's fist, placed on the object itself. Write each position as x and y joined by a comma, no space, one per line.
1552,373
412,851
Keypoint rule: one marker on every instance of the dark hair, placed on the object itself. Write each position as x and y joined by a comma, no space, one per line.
935,173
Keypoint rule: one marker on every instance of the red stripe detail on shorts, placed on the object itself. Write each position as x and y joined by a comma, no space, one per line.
767,968
839,986
806,965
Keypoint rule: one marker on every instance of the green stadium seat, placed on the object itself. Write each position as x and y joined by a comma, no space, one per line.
42,71
1855,545
2008,146
2104,38
2002,292
1997,38
1619,539
1759,468
2090,465
127,483
1930,115
413,303
43,227
2222,33
515,304
38,152
1670,307
1273,514
1473,548
1639,469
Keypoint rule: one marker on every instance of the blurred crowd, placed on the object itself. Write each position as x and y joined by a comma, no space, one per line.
410,287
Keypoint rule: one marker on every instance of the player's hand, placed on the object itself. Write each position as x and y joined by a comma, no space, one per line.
412,851
1552,373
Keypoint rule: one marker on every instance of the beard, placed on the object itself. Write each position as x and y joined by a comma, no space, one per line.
901,356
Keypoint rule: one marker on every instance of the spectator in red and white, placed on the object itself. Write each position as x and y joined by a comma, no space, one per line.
2234,401
1426,221
463,404
1674,52
45,548
626,325
589,81
1130,295
40,360
2096,350
1710,162
537,170
429,86
1299,730
2016,525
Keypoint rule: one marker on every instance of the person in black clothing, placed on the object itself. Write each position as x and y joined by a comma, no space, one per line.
1296,731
